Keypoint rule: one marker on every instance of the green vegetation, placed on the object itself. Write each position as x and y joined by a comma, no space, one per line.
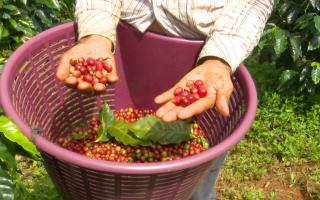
279,158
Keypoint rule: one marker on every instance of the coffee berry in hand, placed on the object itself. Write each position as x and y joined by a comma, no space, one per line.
89,73
193,91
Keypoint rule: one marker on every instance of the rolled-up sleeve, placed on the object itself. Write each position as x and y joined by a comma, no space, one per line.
237,30
98,17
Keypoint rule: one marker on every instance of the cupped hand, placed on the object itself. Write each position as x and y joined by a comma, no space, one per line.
94,46
216,76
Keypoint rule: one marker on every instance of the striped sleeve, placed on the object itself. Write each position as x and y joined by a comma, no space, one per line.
237,30
98,17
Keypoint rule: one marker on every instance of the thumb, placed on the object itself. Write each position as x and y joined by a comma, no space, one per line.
222,102
63,68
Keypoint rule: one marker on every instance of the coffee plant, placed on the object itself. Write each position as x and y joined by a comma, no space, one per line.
292,40
22,19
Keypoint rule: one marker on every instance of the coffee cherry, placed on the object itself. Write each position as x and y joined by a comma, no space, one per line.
108,68
104,80
184,101
81,60
178,91
177,100
90,61
76,73
190,84
197,83
114,151
193,92
196,96
89,70
202,91
88,78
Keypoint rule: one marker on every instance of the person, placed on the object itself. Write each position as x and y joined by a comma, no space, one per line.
230,29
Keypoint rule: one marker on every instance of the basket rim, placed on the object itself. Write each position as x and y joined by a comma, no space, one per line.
126,168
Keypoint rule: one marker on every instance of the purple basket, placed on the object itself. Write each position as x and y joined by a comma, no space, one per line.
148,64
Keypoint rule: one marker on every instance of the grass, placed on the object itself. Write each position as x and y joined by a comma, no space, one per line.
279,158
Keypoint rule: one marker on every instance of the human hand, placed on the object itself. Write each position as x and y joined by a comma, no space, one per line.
217,78
94,46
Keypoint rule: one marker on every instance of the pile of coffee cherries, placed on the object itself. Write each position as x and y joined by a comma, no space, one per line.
193,91
89,73
82,141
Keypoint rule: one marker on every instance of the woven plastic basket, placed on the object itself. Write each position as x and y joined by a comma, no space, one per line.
148,64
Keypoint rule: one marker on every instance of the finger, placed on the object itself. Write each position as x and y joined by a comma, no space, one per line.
172,115
223,96
84,86
164,109
164,97
222,105
197,107
63,68
113,76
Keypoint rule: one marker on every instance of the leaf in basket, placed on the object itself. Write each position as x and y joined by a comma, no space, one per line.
153,129
141,127
6,185
107,119
119,130
11,132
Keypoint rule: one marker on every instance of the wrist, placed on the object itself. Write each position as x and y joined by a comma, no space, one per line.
217,63
98,39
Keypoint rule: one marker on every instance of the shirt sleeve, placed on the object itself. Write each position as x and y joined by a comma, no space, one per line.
237,30
98,17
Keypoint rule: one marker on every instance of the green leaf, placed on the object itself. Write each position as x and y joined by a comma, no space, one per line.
13,23
11,132
316,20
6,186
314,43
24,2
315,4
315,75
281,41
141,127
6,157
107,119
5,16
153,129
286,76
10,7
43,17
169,133
305,21
295,48
315,64
54,4
119,130
3,32
284,8
293,15
304,74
